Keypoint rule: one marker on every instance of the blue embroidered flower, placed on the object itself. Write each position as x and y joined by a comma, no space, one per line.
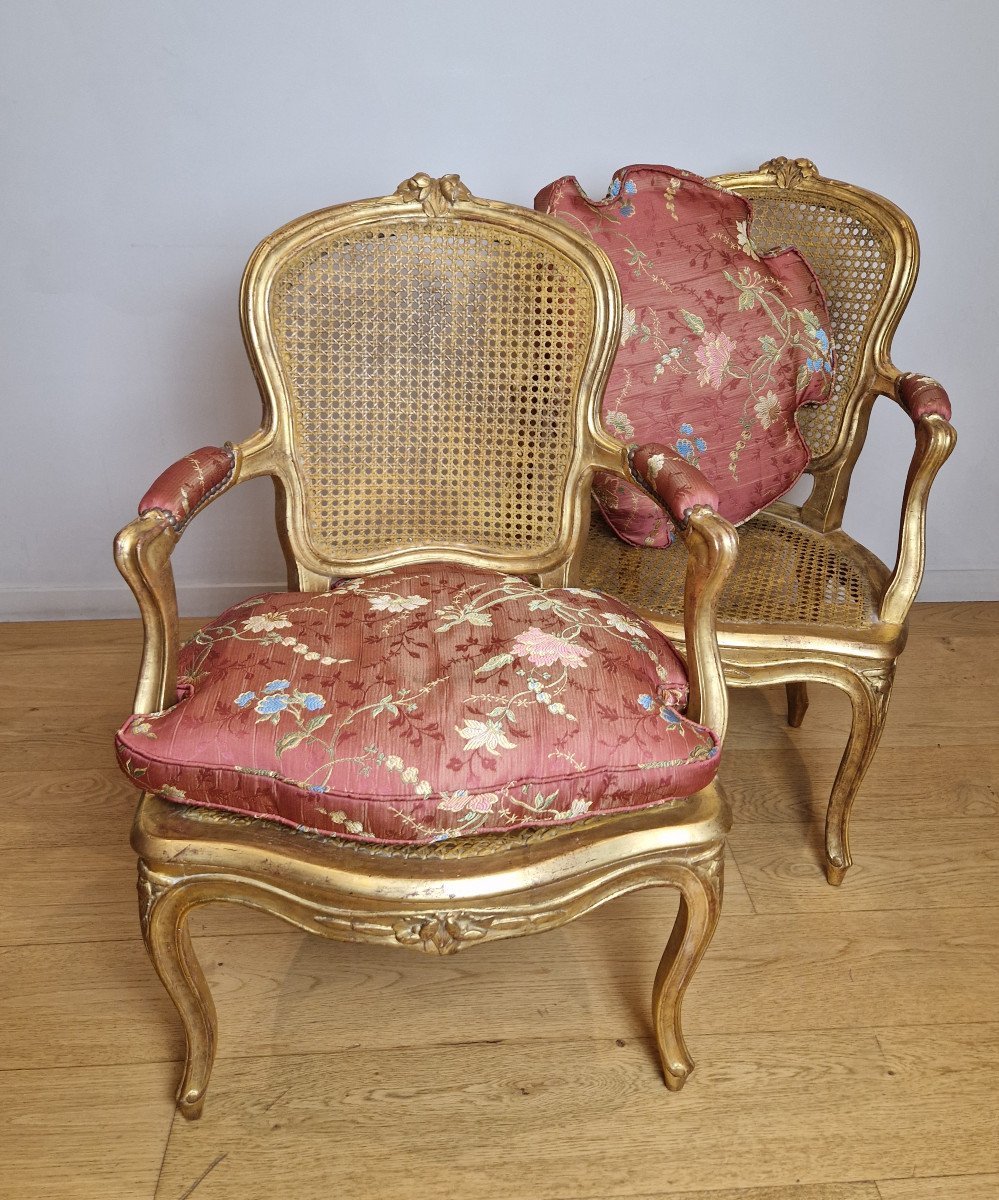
813,364
627,210
312,701
630,187
685,448
685,428
272,704
823,339
615,187
276,685
317,788
668,714
646,702
245,698
700,445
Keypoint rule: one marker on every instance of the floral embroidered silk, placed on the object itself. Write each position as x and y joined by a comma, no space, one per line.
423,703
720,344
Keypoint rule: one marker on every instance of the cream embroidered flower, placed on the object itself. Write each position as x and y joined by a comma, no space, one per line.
410,775
577,809
619,424
746,243
543,649
484,735
767,409
423,788
266,622
616,621
629,323
396,604
394,763
655,464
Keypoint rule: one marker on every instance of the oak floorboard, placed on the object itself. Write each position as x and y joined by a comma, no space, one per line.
550,1119
79,1134
275,991
768,787
952,1187
925,864
810,1191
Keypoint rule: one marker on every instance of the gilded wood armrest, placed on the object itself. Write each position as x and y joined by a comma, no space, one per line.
927,404
142,553
712,545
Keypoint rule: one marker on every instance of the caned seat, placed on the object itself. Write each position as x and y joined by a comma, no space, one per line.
435,736
786,573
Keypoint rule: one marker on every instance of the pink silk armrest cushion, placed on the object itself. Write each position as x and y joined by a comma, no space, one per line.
678,484
189,483
921,396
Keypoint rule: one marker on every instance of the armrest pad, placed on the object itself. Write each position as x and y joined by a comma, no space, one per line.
189,484
920,395
678,485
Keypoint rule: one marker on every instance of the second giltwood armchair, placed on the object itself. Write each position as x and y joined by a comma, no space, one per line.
434,738
806,601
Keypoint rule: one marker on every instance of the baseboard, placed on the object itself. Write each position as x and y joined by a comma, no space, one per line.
111,603
207,599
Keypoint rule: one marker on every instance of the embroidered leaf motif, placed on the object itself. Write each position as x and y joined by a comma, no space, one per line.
694,322
802,381
494,663
769,347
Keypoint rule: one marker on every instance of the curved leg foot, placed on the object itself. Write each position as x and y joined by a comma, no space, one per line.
797,702
164,906
700,887
869,696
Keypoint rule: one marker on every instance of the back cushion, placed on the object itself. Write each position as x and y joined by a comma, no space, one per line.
720,344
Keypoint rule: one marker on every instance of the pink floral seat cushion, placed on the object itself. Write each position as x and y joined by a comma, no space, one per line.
720,343
423,703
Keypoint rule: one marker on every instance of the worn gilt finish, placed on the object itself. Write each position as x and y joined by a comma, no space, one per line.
782,618
443,897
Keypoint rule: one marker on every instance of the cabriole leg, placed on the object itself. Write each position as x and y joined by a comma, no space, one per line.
164,906
869,695
797,702
700,884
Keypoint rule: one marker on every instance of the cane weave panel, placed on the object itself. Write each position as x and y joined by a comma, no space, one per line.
786,573
432,368
853,258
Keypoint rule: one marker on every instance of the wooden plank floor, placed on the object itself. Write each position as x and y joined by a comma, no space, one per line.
847,1040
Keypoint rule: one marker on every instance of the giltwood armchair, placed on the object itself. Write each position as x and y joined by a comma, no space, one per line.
434,738
806,601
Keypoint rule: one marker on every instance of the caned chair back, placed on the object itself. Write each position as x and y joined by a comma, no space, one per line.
866,255
431,366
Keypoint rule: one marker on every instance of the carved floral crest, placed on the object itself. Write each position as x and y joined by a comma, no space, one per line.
789,172
437,196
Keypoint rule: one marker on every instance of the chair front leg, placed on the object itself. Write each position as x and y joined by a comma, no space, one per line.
164,907
700,881
869,694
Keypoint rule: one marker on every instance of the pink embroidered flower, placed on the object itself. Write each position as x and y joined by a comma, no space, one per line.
543,649
713,354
